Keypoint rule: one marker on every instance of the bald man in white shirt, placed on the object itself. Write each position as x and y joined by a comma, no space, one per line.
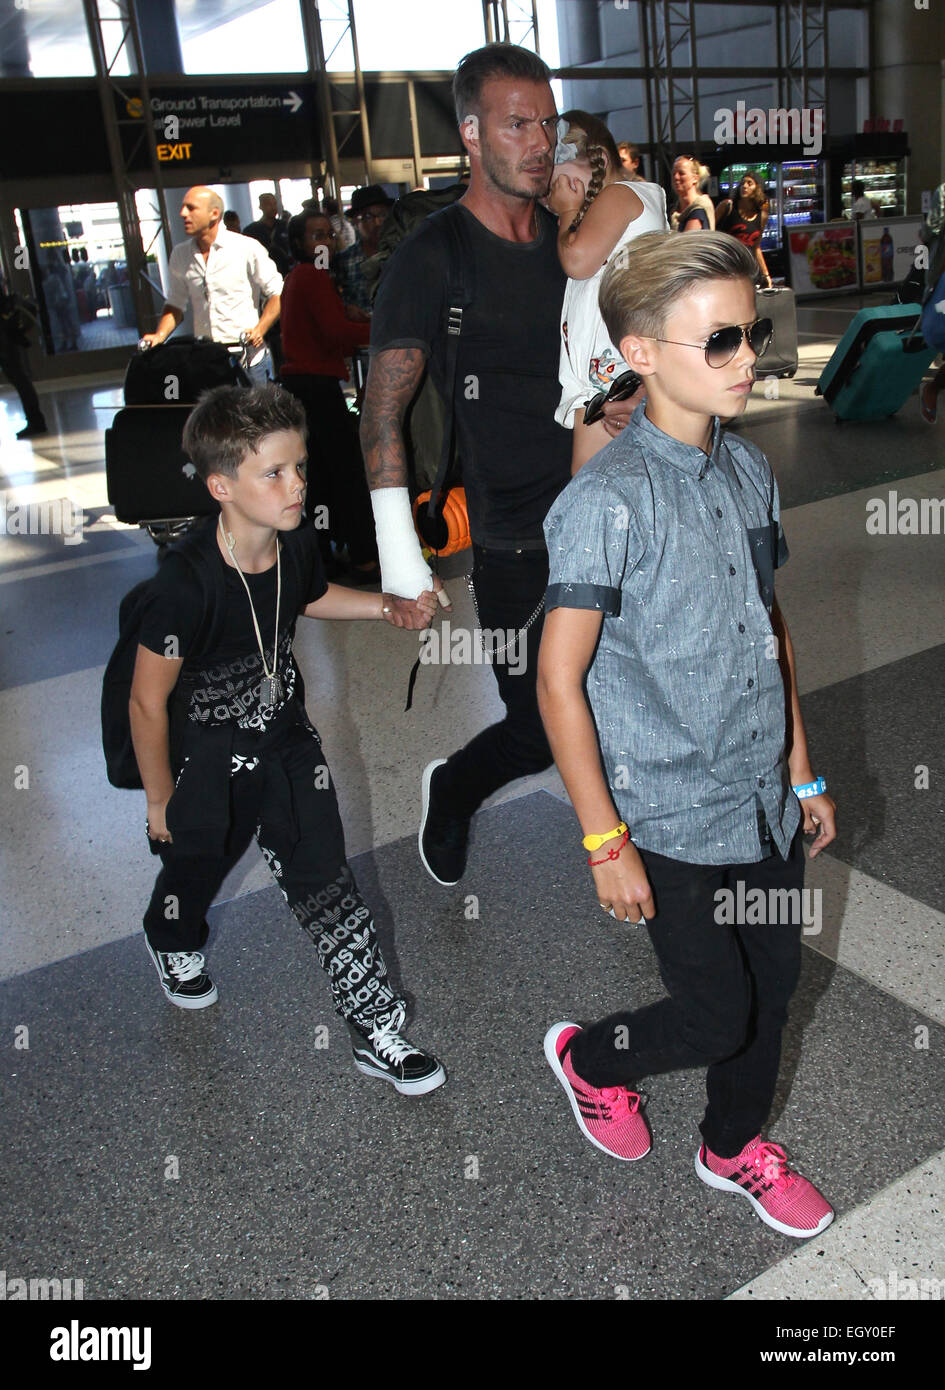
223,276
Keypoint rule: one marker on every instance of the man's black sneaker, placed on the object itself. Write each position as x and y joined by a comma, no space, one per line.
443,838
183,978
386,1053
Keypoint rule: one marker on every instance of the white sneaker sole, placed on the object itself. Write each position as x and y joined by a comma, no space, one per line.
181,1001
428,772
726,1185
420,1087
554,1062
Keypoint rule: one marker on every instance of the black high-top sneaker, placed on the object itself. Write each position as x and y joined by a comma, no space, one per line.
386,1053
443,838
183,978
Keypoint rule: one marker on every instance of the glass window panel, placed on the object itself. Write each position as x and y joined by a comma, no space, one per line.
416,35
848,40
80,277
241,36
46,38
733,35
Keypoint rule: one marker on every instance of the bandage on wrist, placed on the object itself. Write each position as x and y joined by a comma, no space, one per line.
403,569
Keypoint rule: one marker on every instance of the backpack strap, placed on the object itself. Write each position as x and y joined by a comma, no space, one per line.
459,296
199,550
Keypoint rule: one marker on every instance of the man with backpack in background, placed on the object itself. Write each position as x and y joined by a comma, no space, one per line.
515,457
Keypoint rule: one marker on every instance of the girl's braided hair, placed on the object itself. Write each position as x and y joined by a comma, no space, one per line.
595,142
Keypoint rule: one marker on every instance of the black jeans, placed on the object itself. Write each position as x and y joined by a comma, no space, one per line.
728,987
336,477
509,587
313,874
13,366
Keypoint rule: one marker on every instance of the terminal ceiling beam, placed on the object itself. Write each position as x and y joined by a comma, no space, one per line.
110,32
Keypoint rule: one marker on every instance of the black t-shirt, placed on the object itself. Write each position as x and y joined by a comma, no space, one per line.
224,685
746,229
516,457
694,213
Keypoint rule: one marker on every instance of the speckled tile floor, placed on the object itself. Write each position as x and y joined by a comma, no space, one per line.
224,1154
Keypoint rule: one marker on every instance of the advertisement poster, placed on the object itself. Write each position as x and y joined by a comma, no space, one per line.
888,249
823,259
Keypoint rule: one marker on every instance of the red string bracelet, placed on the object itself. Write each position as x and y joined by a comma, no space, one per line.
611,853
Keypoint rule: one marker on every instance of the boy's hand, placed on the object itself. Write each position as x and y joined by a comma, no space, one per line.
413,614
622,884
157,822
820,814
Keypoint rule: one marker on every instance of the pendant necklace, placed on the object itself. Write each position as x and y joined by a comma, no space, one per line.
271,689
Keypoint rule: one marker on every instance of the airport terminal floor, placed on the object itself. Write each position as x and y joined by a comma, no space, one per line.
237,1153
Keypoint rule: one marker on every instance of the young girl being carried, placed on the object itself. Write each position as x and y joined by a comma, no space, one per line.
599,210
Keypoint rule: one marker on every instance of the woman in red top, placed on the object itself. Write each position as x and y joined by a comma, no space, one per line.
745,218
317,334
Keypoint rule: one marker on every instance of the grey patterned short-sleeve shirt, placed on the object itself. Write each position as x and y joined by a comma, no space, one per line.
678,550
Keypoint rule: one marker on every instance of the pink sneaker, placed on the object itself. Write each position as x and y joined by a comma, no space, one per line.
781,1197
610,1117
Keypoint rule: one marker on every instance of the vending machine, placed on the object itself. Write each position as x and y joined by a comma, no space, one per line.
803,192
884,183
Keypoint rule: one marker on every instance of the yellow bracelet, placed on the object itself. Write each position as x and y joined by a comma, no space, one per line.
595,841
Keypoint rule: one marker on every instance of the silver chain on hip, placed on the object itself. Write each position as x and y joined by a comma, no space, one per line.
499,651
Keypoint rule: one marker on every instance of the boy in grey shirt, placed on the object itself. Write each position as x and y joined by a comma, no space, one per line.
667,687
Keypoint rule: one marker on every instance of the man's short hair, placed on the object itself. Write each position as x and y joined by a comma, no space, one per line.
484,65
230,422
214,201
640,287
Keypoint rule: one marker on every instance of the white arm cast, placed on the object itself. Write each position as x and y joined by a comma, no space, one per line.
404,572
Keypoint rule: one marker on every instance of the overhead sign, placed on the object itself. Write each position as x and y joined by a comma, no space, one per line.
222,126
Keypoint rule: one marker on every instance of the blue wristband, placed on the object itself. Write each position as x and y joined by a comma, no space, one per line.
810,789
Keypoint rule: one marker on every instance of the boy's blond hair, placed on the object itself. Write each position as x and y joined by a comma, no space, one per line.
640,287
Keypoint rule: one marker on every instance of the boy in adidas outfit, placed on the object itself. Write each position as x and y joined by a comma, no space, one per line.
223,743
668,690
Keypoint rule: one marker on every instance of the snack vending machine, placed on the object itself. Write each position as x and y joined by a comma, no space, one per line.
884,183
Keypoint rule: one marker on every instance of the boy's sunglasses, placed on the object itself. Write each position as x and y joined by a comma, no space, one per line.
620,389
722,345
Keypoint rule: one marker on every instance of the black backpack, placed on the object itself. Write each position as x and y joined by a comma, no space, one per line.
433,454
199,552
120,762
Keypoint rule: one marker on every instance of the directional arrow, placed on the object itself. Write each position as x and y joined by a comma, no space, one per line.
293,100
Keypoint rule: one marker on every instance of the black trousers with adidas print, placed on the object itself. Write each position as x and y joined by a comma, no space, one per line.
313,874
728,989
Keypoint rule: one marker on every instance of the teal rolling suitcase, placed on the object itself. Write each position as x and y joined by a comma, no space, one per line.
877,364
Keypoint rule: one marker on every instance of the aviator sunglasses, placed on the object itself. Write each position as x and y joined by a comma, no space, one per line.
621,388
722,345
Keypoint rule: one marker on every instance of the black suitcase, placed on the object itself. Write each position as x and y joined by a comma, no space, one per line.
779,306
150,481
176,372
